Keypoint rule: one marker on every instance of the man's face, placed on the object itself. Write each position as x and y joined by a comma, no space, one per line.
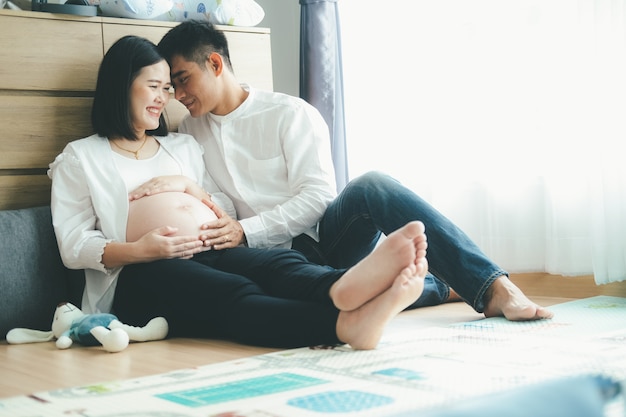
195,87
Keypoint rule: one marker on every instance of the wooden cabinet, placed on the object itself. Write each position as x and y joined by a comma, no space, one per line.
48,70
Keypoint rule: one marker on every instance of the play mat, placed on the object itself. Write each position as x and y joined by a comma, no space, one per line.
424,370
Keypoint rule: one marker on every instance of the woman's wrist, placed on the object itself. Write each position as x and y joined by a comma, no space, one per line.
195,190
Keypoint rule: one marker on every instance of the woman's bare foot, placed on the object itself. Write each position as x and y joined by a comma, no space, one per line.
362,328
504,298
376,272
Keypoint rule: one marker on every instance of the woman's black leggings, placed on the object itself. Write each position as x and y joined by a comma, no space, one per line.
262,297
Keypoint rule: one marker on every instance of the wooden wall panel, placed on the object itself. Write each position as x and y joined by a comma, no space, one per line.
174,113
36,128
48,54
19,191
48,70
251,57
111,32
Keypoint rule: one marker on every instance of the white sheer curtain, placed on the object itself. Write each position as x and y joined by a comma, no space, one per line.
509,116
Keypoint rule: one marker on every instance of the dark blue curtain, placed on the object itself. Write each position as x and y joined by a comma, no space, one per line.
321,75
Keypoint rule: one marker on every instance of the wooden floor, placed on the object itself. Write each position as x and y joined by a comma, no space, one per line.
39,367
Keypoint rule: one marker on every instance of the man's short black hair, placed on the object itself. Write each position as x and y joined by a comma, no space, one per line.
195,40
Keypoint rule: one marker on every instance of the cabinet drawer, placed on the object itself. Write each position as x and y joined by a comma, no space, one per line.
36,128
48,54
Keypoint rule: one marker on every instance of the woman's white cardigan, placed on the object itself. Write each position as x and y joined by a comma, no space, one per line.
89,205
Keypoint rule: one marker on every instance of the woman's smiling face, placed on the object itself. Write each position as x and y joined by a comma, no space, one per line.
150,93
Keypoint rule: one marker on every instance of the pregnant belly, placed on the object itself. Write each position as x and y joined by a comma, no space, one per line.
175,209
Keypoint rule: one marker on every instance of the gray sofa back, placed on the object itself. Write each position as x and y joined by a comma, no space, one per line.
33,279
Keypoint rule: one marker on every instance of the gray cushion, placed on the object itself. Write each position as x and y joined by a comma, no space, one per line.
33,279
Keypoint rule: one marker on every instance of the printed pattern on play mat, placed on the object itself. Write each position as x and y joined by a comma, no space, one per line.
433,367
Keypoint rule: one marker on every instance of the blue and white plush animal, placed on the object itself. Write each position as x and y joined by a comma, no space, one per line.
71,325
219,12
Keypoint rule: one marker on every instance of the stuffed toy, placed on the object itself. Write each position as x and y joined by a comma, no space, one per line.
71,325
220,12
133,9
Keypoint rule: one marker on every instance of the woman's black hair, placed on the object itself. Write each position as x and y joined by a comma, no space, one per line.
110,113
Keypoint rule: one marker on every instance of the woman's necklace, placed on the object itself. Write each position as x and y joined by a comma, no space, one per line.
136,153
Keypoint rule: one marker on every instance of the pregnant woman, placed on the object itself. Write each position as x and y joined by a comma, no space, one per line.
143,257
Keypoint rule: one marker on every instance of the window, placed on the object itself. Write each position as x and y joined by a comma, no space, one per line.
509,116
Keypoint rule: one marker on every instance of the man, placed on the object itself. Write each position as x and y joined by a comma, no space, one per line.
270,153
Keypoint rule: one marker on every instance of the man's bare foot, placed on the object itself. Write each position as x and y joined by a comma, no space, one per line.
504,298
362,328
453,297
376,272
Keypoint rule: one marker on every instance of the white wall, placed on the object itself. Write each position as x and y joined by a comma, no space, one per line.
283,19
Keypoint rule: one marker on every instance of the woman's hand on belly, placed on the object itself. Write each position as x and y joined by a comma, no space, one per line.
163,243
168,183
